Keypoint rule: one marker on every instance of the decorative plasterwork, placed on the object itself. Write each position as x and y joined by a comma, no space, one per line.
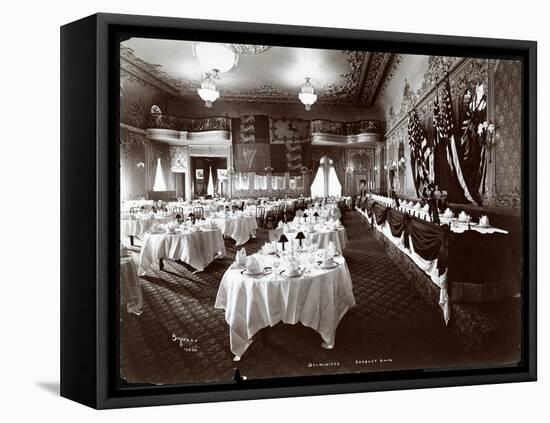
360,85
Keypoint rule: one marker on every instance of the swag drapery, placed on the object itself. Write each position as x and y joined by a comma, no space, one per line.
479,266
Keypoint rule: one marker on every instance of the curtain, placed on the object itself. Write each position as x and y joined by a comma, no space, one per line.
314,169
160,151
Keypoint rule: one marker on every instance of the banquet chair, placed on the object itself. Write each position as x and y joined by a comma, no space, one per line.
260,216
272,218
198,212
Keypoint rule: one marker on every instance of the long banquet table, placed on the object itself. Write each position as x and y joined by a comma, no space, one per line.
466,262
196,248
318,299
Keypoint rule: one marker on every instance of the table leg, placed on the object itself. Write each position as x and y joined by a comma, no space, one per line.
132,240
161,264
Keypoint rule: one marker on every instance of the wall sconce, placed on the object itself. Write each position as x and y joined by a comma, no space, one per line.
486,131
402,163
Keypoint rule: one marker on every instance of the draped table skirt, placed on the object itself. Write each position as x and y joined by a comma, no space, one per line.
197,249
318,301
238,228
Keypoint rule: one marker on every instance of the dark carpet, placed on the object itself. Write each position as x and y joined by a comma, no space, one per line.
390,328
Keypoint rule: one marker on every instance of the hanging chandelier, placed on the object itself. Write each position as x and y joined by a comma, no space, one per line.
208,91
214,57
306,96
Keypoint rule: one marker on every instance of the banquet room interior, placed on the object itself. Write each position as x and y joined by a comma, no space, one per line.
295,212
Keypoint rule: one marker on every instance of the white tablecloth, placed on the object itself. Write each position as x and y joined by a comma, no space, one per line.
138,227
130,287
197,249
318,300
321,237
428,266
237,228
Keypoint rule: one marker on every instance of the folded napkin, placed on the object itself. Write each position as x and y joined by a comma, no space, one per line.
291,268
253,265
328,260
240,258
331,250
484,220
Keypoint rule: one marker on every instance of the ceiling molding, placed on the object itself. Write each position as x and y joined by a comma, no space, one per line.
361,86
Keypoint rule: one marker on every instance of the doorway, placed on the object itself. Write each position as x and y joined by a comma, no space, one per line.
207,176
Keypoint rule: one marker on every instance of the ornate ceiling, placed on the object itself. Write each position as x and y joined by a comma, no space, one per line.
263,74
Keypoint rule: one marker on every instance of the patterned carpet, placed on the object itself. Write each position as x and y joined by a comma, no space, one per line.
390,327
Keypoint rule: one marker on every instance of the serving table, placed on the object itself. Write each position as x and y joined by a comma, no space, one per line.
318,298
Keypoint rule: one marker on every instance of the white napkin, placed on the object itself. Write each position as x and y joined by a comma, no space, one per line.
252,265
240,258
484,220
329,258
331,249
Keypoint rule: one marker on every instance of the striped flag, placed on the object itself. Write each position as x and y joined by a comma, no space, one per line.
421,153
444,129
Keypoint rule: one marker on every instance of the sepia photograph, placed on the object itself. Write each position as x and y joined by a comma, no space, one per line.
292,212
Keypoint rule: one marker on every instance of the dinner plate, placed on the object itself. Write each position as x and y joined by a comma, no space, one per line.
247,273
283,273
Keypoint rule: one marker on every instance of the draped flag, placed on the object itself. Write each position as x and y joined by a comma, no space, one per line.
448,151
421,153
251,143
473,153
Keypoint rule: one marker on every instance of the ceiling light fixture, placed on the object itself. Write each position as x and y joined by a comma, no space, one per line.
208,91
214,57
306,96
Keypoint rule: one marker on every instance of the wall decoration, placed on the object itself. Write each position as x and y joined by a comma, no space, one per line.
222,174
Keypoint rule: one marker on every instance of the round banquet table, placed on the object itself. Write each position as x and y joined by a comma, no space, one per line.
197,249
137,227
239,228
321,237
208,210
318,299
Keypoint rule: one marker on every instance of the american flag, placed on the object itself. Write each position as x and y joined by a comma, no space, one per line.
444,128
420,152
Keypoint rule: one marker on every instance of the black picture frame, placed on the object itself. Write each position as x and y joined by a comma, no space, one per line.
90,207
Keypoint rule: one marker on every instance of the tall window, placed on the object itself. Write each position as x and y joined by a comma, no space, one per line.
160,184
326,181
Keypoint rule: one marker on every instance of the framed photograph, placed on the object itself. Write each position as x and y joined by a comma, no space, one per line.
222,174
410,213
